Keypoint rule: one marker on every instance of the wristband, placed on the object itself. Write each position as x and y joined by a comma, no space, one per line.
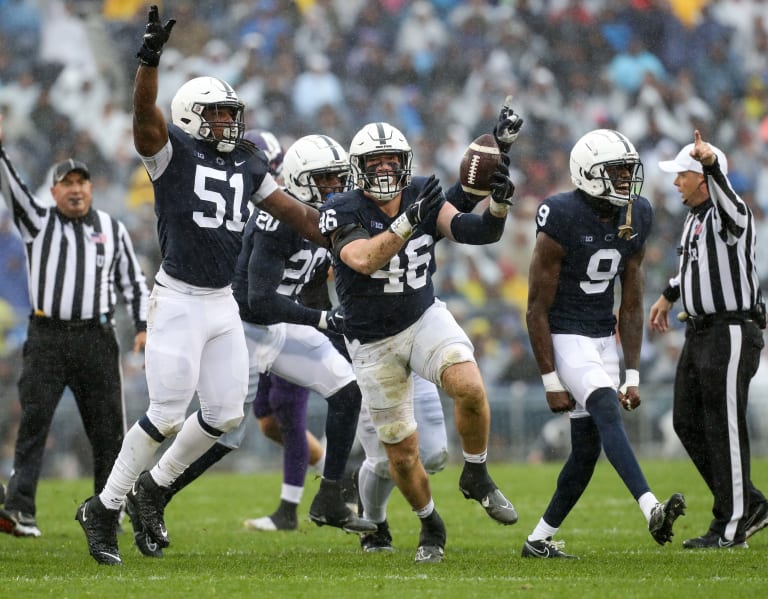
671,294
402,227
552,382
632,378
498,209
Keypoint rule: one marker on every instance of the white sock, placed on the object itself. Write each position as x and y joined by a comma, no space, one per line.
542,531
291,493
135,455
426,510
374,492
191,442
647,502
475,458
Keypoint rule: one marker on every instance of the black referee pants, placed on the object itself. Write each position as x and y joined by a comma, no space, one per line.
84,357
710,416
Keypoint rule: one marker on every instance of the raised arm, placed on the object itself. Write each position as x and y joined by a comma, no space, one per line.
150,131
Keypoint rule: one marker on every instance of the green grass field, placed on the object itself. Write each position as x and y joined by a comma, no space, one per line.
211,555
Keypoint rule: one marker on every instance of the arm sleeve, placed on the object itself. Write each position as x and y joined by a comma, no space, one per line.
732,211
264,276
477,229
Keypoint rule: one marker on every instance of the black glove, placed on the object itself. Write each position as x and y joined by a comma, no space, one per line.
502,188
155,37
332,321
506,130
429,199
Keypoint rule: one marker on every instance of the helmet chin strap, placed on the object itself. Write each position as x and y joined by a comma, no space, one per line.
626,230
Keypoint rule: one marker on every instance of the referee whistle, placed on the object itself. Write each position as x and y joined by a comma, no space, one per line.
682,316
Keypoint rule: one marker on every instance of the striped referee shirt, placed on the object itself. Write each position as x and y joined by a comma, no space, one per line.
717,252
75,266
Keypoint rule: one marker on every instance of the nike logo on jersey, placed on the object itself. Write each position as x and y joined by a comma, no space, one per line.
239,163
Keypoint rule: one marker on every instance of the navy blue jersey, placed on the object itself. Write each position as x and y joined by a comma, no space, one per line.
278,261
202,202
383,304
594,257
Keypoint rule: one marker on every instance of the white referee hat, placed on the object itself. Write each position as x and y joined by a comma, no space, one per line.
684,162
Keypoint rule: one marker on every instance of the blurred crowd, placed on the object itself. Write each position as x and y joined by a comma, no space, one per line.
439,71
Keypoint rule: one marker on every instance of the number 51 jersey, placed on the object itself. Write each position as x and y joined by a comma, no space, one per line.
594,257
390,300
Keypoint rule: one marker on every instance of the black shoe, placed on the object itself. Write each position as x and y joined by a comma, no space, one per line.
18,524
148,501
663,516
349,493
431,548
284,518
757,520
378,541
100,527
545,548
328,509
480,487
713,540
144,543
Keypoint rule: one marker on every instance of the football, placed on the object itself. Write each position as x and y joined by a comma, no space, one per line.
478,165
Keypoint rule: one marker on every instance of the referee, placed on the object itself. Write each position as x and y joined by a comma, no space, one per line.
724,314
78,259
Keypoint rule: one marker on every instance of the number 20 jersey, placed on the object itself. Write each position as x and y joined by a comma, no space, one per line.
594,257
393,298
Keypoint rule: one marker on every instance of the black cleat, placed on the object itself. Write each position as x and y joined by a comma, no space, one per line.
757,520
480,487
284,518
545,548
381,540
147,500
144,543
100,527
329,509
713,541
431,548
663,516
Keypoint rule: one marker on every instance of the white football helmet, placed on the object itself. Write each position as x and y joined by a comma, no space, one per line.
597,152
380,138
308,157
200,93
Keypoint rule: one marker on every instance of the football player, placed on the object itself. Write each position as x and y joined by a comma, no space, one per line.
205,178
587,239
383,235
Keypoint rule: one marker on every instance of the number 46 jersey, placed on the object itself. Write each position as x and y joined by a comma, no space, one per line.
594,257
394,297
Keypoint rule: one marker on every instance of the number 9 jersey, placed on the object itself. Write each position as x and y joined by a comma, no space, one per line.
390,300
594,257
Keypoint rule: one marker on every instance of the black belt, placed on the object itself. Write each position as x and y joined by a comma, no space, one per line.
101,320
704,321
